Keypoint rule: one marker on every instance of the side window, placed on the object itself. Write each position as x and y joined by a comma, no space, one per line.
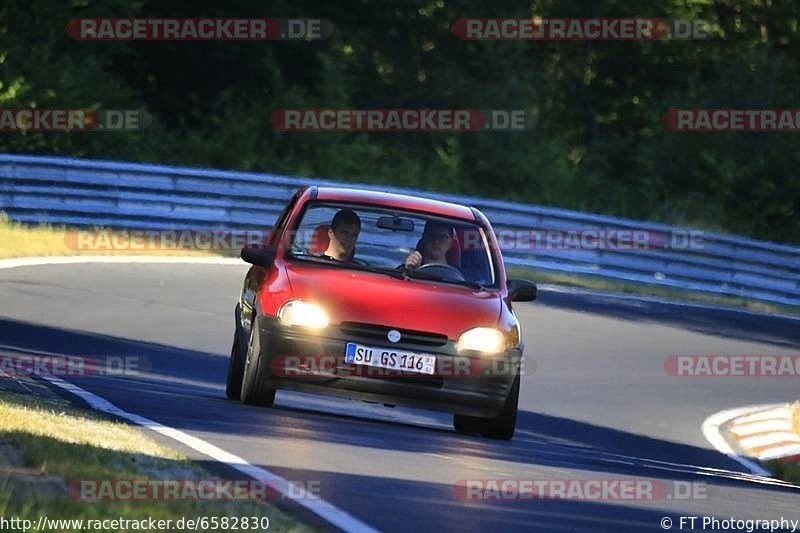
281,221
306,230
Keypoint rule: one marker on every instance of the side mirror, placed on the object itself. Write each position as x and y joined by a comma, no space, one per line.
522,290
258,256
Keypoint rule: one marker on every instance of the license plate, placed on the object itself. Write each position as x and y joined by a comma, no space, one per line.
381,357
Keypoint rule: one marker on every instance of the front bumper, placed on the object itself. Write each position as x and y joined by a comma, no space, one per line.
469,385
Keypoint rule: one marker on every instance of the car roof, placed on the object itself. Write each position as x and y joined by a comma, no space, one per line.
400,201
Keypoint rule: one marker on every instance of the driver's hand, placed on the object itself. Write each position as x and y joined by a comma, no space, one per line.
413,260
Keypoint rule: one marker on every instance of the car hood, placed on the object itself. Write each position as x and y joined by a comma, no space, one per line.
351,295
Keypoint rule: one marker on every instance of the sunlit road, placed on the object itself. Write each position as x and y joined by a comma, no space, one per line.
598,404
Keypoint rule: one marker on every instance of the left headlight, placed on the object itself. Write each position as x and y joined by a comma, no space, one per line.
484,340
305,314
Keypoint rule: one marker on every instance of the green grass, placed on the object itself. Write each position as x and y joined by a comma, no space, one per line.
600,284
784,470
70,443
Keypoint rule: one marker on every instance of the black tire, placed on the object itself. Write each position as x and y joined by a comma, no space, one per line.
255,372
500,427
233,384
466,423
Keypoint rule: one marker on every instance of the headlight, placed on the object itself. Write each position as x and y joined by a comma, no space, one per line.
486,340
300,313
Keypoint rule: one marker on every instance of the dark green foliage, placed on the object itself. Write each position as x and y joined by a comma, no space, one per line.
598,143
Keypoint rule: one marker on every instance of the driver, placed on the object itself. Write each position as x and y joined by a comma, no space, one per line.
437,238
342,235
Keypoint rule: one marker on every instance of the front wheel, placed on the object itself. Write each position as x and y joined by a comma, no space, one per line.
255,372
499,427
233,384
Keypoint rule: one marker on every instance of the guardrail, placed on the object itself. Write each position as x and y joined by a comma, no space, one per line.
79,192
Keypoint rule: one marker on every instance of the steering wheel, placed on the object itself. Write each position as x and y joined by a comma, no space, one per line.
446,272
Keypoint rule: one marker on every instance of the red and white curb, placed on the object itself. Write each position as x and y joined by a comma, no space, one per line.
763,432
768,434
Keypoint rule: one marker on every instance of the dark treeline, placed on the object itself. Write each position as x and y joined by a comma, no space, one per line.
597,142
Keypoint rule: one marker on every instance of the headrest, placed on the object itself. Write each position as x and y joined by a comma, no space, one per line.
319,239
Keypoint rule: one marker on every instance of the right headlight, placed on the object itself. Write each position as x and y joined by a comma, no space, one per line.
482,339
305,314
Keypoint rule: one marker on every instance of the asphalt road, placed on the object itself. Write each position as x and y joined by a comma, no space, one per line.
599,404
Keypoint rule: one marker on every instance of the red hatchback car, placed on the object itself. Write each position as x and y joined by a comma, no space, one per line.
384,298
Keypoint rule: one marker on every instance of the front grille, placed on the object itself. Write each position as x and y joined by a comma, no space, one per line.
379,334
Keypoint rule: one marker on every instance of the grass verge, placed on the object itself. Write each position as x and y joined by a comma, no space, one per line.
58,442
785,470
600,284
22,240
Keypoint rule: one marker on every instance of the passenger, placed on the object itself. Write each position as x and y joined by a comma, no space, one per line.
342,235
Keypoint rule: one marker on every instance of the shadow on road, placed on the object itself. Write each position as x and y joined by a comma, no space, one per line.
753,327
395,505
185,389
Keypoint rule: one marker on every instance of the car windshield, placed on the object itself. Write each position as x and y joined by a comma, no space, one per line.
448,250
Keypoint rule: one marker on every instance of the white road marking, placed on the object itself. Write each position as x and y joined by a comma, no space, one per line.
321,508
163,259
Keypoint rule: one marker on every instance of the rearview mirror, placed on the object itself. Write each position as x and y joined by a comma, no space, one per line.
522,290
396,223
258,256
